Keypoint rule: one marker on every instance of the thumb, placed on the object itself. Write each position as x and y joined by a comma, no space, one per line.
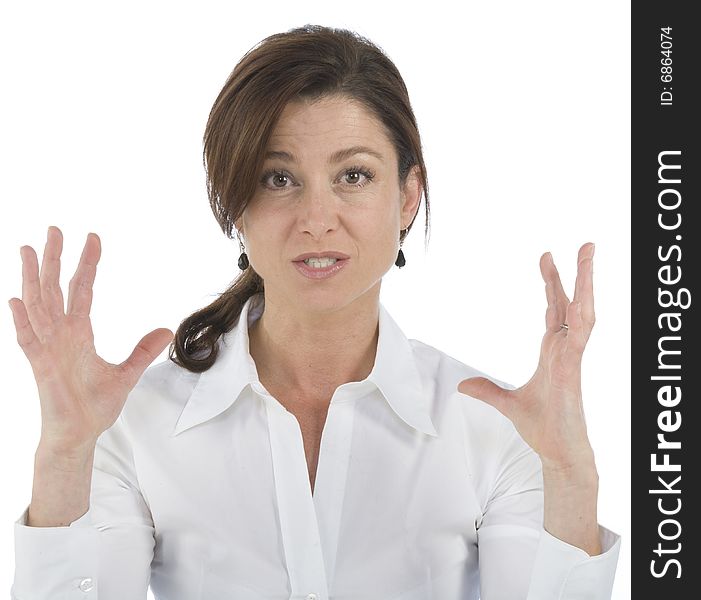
485,390
146,351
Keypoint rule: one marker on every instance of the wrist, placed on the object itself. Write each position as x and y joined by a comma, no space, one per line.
64,456
580,470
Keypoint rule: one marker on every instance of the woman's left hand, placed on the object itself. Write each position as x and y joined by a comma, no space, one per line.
547,411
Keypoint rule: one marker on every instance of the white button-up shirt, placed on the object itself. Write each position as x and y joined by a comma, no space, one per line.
201,489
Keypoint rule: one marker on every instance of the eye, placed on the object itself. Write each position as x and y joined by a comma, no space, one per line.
353,176
275,179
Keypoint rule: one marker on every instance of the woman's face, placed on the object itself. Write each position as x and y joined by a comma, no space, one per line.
313,197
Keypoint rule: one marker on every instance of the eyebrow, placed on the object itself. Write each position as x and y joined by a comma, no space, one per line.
336,157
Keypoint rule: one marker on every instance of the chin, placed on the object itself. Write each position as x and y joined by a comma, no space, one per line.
335,297
316,299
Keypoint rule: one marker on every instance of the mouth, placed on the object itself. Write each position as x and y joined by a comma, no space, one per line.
320,263
320,267
320,259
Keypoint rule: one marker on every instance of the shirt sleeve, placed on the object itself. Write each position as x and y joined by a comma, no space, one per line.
518,558
106,553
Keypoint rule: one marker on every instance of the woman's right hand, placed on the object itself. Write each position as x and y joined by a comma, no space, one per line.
81,394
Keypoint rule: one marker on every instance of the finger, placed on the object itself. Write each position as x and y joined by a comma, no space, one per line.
576,337
557,299
26,338
50,273
31,293
562,298
487,391
80,288
551,317
145,352
584,286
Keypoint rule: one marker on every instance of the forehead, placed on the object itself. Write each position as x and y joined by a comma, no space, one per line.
325,124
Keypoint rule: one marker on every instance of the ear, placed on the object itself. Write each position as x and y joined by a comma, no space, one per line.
411,196
238,224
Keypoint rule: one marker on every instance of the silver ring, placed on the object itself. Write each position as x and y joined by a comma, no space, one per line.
565,326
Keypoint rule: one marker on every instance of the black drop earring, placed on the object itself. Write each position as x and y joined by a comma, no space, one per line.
401,261
243,258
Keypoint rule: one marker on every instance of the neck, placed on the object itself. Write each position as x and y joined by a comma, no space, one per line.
307,354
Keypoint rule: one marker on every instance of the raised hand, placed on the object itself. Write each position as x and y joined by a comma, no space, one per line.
81,394
547,411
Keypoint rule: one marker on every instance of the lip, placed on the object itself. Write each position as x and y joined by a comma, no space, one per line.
325,254
322,273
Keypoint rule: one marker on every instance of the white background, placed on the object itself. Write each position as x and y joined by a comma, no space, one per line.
524,111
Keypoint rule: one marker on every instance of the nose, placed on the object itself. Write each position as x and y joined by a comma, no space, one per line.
318,211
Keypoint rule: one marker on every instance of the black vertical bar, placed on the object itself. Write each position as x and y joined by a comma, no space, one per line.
665,171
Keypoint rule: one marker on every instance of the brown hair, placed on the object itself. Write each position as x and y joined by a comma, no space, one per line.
307,62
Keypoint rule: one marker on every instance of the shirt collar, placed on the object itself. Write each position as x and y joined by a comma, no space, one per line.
395,374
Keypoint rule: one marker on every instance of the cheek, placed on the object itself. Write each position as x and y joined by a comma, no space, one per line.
381,243
263,237
380,228
262,223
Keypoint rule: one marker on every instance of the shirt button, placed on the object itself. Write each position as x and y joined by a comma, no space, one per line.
311,597
86,584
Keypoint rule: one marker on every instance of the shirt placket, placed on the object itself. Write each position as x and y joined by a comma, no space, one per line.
332,476
298,520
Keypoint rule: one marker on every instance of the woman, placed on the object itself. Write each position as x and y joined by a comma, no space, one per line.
297,444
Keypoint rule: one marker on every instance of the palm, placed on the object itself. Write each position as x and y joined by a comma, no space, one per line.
547,410
79,391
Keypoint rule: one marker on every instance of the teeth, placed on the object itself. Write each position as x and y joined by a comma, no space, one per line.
319,263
